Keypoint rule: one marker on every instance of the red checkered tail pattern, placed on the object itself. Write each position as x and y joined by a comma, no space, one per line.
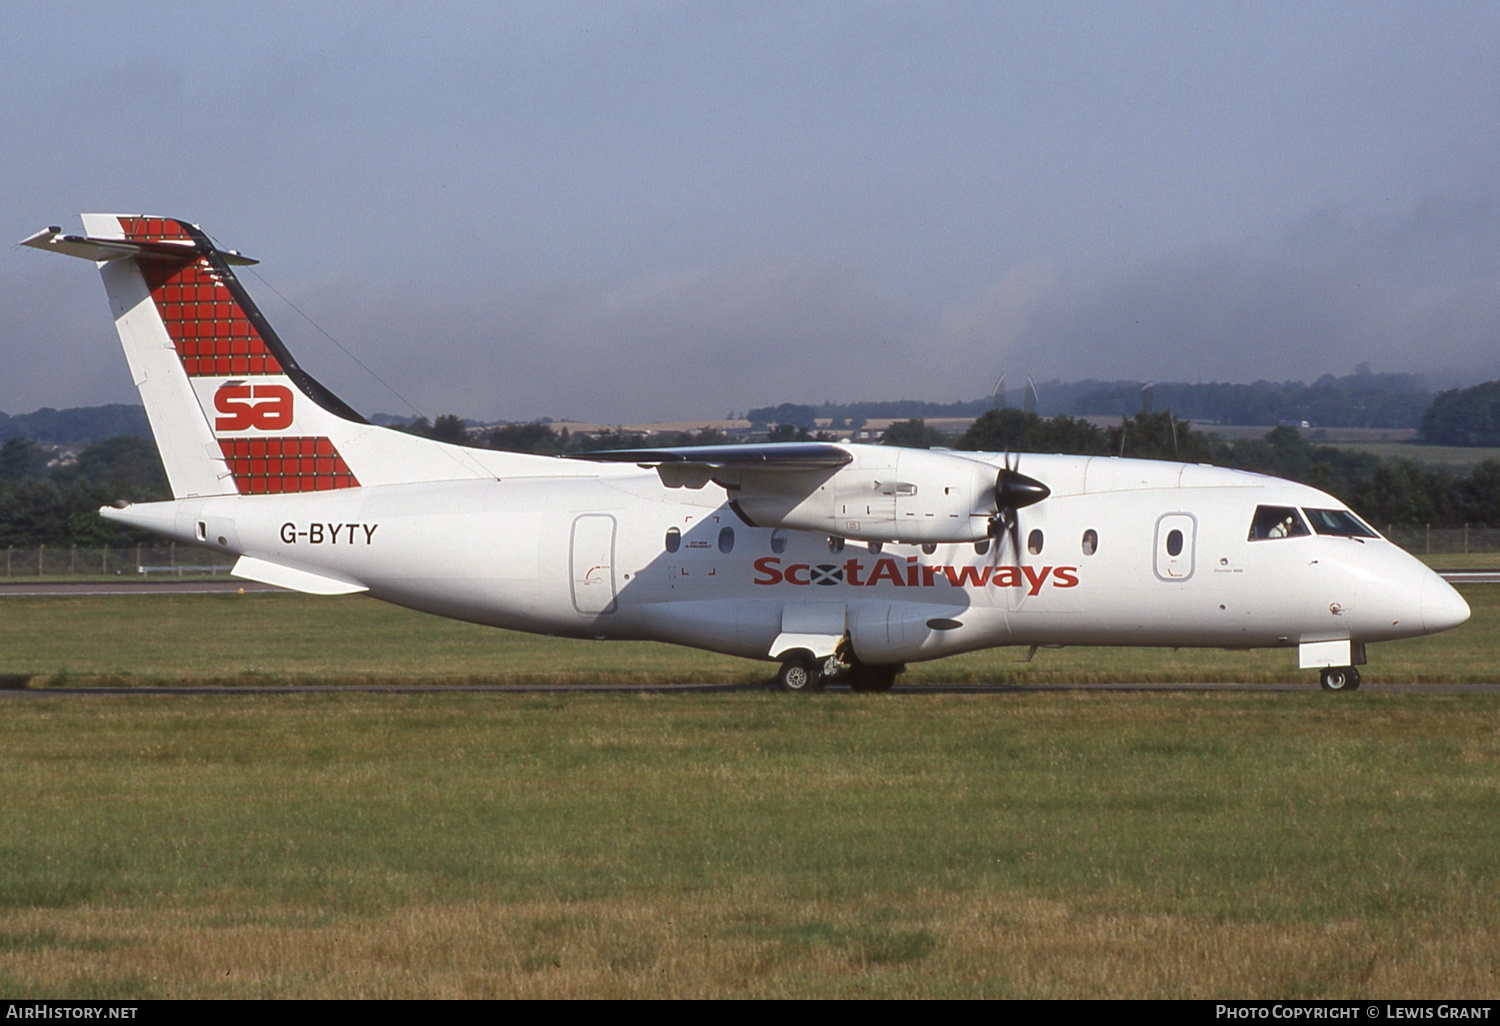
232,412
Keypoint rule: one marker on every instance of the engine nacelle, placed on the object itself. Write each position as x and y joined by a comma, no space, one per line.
889,494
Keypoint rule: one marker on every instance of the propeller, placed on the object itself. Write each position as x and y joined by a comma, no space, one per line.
1013,491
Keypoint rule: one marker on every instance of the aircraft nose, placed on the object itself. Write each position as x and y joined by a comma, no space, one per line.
1442,606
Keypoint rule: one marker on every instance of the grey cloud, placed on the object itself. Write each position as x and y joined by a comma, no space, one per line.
1417,292
665,346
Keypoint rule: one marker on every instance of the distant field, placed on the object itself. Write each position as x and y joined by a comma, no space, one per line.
1463,560
750,845
1454,457
283,638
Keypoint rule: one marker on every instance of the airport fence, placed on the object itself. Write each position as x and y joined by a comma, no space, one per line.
130,560
1432,541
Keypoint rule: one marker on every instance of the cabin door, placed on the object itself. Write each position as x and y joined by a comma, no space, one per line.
592,564
1176,539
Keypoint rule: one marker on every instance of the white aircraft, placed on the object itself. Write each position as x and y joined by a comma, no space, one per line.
823,557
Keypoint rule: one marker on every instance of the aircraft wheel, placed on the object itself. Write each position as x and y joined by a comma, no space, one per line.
1340,678
871,678
798,673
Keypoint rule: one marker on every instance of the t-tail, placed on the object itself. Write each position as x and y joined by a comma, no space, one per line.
232,412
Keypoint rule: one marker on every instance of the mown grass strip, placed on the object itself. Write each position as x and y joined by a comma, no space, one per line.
1026,845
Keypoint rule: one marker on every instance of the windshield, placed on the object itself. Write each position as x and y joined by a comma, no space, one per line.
1276,522
1338,522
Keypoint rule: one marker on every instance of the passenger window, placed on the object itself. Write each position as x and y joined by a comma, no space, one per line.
674,539
1276,522
1090,542
1034,543
835,545
929,547
778,540
1338,522
982,546
1174,543
875,547
726,540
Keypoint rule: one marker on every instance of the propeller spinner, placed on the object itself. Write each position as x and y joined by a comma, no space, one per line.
1013,491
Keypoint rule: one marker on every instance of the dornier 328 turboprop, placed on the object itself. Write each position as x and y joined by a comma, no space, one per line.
822,557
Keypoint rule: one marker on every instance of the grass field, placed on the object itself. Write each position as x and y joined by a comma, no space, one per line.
263,638
1454,457
734,844
743,844
1463,560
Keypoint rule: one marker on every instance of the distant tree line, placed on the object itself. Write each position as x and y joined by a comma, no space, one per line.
46,501
79,425
1467,416
1361,399
41,504
1400,492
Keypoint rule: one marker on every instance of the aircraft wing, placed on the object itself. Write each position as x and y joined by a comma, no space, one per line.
693,466
766,456
870,492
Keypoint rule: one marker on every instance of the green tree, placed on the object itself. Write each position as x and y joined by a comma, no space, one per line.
707,436
787,413
535,437
128,463
1477,495
35,512
1159,436
20,458
1008,430
449,427
1002,430
914,434
1469,416
788,433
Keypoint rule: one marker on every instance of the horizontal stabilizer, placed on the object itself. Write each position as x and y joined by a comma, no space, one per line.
264,571
91,247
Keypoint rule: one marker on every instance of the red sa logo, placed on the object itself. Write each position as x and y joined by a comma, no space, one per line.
270,410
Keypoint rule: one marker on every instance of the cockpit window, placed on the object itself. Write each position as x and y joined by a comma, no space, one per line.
1276,522
1338,522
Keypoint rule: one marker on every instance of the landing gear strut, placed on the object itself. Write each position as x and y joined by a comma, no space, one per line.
1340,678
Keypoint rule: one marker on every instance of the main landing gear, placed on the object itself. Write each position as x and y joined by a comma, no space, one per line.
1339,678
801,672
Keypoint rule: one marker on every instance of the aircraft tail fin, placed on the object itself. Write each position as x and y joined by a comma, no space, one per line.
231,410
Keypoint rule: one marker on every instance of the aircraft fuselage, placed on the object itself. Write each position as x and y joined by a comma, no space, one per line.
589,557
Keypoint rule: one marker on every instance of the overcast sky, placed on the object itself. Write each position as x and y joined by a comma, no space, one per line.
653,211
